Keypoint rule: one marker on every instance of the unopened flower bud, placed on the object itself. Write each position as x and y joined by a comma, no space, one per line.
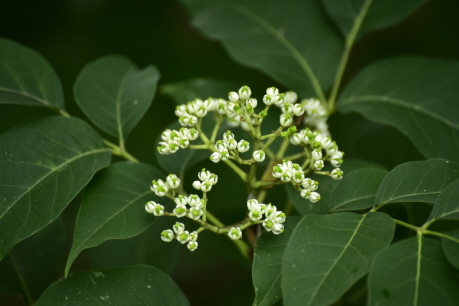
244,93
167,235
233,96
192,245
336,174
259,156
235,233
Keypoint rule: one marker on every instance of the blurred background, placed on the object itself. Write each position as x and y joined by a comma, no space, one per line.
72,33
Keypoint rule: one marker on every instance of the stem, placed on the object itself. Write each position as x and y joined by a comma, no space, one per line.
24,286
345,56
116,150
216,128
214,219
282,149
399,222
236,169
424,231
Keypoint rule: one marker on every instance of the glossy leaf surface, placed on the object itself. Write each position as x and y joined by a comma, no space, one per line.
113,206
327,254
416,95
451,248
27,78
413,272
43,165
357,190
137,285
376,14
293,42
419,181
447,204
267,264
114,94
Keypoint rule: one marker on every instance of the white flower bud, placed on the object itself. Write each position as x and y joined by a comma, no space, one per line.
173,146
287,108
178,227
192,246
213,179
286,120
272,91
233,96
245,93
201,111
183,143
183,237
180,211
180,111
277,171
194,200
194,236
154,208
259,156
309,184
197,185
314,197
298,177
295,139
181,200
279,100
235,233
337,159
305,193
269,99
222,107
270,212
243,146
332,150
165,135
286,176
318,165
279,217
255,215
206,186
204,175
195,213
298,110
278,228
192,134
224,155
268,225
167,235
316,154
173,182
252,204
252,102
150,207
220,146
231,144
215,157
336,174
227,136
291,97
164,150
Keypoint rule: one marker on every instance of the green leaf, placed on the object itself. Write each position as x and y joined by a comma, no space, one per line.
447,204
419,181
27,78
376,14
43,165
357,190
327,254
200,88
113,206
267,264
137,285
413,272
39,259
291,41
451,248
326,188
114,94
147,248
416,95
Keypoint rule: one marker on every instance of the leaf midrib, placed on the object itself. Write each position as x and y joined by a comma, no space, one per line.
51,172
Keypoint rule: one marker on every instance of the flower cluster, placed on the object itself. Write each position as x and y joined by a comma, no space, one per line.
178,232
173,140
161,188
274,218
228,146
